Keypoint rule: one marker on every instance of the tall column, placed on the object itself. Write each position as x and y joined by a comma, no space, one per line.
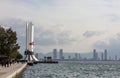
26,36
30,42
105,54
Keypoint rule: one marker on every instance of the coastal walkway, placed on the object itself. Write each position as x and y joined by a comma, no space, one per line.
12,71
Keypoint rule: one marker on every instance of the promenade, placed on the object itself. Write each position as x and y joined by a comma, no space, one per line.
11,71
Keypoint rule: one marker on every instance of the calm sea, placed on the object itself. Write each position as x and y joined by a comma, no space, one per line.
74,69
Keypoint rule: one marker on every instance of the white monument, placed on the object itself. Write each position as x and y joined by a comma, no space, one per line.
29,52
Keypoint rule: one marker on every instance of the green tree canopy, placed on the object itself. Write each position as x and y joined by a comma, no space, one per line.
8,43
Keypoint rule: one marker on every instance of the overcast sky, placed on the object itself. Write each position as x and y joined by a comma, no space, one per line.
73,25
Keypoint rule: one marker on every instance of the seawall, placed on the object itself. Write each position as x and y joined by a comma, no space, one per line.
12,71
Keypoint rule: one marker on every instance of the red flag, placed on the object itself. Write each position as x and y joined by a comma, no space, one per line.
31,43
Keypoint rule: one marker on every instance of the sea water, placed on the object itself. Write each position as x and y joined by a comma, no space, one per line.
74,69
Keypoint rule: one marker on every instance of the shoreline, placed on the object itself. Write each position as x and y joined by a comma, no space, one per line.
12,71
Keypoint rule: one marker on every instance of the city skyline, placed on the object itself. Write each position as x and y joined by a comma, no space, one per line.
73,25
95,55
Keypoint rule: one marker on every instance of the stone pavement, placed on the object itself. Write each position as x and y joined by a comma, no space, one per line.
8,72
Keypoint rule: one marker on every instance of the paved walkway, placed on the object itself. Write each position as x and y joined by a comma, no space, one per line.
5,72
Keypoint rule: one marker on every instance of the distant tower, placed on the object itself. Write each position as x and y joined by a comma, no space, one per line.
116,57
29,52
76,56
95,55
102,56
69,57
79,56
54,53
61,54
105,54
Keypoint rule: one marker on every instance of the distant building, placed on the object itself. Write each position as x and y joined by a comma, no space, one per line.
61,54
116,57
69,57
97,58
54,53
105,54
76,56
95,55
79,56
102,56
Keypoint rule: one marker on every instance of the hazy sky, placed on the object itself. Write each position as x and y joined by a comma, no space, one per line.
73,25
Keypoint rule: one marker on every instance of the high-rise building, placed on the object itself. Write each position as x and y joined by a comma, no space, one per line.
102,56
61,54
76,56
79,56
105,54
54,53
116,57
69,57
95,55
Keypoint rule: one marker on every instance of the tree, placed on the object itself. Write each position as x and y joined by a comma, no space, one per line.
8,43
19,56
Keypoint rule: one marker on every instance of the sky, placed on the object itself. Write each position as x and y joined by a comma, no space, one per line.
73,25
